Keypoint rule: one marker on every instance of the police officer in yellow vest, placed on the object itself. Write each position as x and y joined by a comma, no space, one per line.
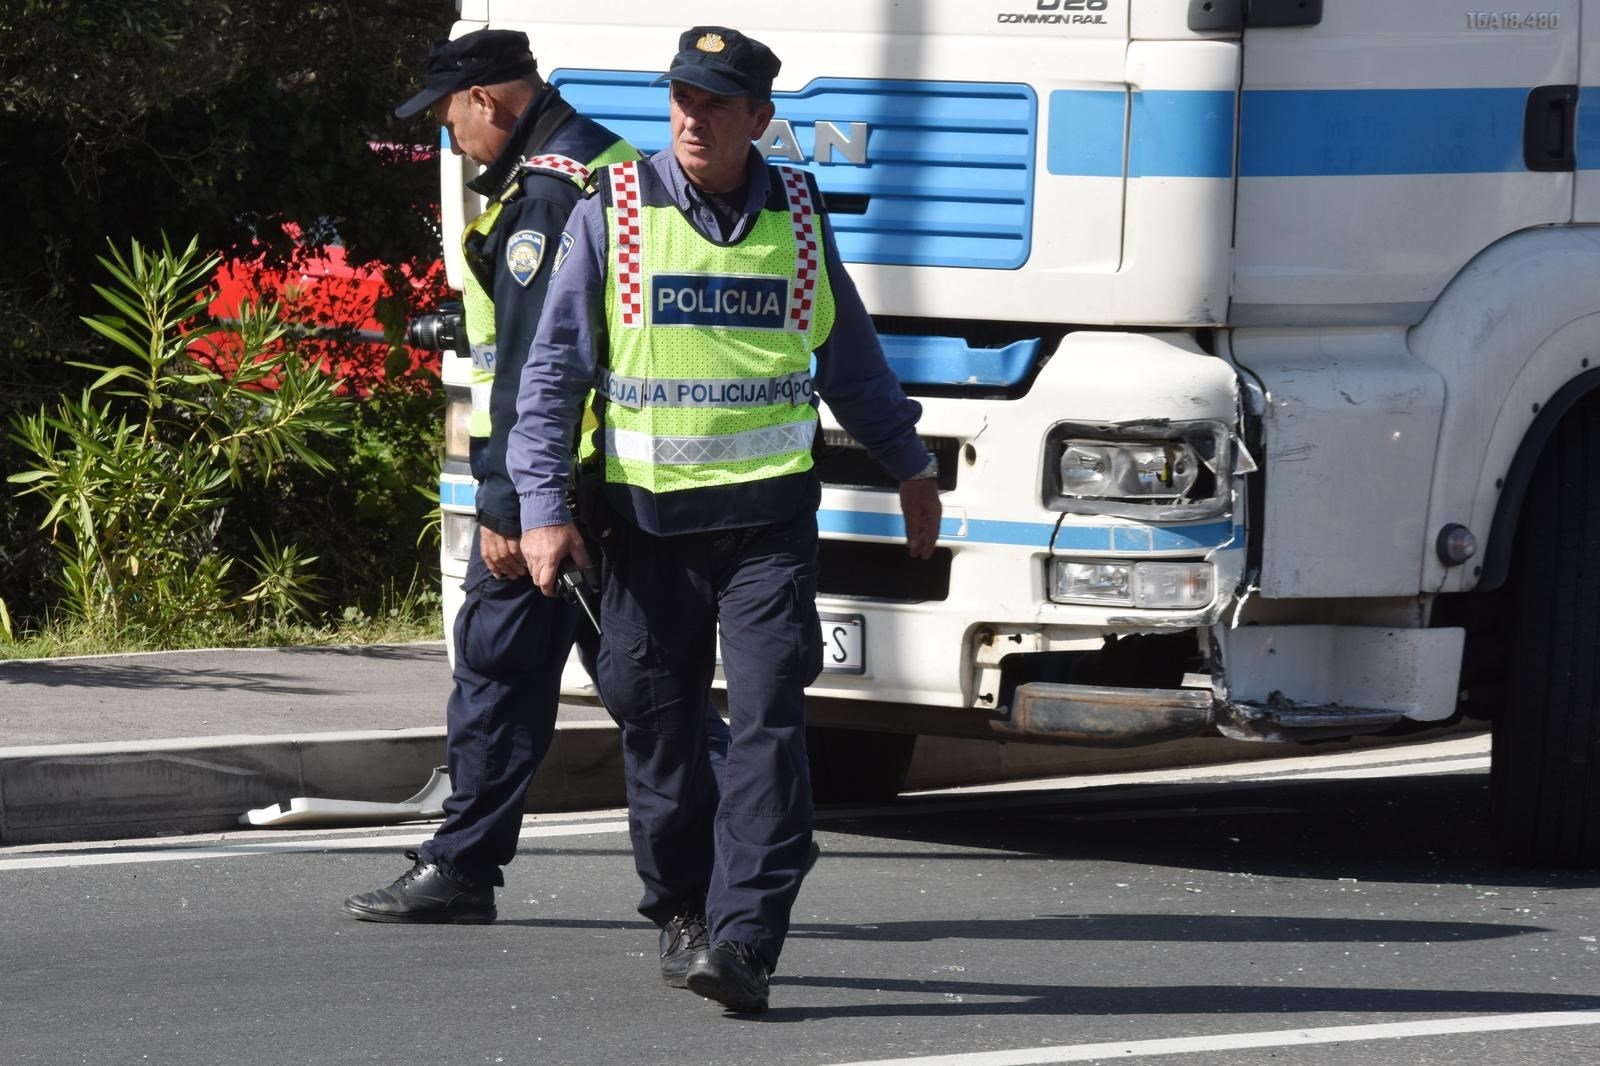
692,293
511,642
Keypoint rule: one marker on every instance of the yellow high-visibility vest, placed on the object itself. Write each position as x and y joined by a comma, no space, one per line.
477,302
708,377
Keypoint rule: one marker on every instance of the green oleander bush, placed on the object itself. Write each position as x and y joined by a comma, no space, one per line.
138,470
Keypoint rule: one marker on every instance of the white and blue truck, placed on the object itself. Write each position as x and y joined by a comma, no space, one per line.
1258,340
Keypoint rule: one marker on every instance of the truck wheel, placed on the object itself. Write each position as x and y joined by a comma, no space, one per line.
857,765
1546,755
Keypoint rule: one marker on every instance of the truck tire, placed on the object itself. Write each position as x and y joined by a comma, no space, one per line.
857,765
1546,755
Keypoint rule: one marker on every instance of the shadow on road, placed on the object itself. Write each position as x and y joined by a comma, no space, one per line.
1148,928
1431,829
1134,928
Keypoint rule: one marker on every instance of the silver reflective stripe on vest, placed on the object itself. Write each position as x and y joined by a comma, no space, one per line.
732,448
733,393
481,380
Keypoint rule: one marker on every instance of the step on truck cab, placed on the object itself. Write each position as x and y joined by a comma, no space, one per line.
1254,338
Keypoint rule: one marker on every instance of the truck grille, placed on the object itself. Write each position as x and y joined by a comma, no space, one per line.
859,570
843,463
948,181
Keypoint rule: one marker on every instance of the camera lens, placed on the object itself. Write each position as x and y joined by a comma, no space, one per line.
423,332
436,332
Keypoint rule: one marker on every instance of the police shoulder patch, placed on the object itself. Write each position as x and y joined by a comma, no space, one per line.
563,246
524,253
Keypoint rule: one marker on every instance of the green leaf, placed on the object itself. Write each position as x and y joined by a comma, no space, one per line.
111,296
116,336
110,375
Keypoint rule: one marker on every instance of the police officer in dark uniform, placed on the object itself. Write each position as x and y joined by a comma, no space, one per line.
511,642
695,290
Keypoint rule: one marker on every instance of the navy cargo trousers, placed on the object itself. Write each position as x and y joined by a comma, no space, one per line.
664,600
511,645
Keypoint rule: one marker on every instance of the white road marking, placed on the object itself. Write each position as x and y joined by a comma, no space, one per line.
287,847
1048,1056
1444,766
1147,784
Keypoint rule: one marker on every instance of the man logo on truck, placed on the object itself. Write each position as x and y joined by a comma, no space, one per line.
833,145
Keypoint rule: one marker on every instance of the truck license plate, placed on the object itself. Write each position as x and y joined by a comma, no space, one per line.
843,644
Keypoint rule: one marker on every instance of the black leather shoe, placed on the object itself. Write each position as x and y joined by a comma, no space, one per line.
425,893
681,940
733,974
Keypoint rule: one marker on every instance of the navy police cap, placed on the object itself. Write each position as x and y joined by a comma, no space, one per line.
723,61
482,57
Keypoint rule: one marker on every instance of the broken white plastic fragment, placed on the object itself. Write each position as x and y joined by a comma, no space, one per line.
305,811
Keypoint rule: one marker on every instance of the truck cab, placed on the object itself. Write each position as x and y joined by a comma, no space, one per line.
1246,333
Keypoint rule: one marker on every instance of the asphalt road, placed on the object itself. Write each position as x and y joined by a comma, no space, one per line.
1309,916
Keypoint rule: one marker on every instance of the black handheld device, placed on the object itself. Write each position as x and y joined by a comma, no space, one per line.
576,587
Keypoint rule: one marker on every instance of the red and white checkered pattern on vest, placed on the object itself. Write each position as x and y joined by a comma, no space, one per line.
804,217
626,203
558,164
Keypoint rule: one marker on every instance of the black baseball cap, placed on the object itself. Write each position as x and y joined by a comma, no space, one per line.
723,61
482,57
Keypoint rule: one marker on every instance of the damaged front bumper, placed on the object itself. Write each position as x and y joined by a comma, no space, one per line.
1270,683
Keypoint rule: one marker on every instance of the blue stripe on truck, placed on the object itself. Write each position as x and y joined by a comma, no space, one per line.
1170,133
1587,137
1329,133
1296,132
1119,539
462,494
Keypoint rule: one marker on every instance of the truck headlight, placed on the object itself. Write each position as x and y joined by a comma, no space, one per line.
1107,471
1153,472
457,415
1151,584
457,534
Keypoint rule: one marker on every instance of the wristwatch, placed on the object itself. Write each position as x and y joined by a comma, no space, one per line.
927,472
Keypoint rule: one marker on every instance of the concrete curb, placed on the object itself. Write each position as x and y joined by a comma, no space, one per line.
60,792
